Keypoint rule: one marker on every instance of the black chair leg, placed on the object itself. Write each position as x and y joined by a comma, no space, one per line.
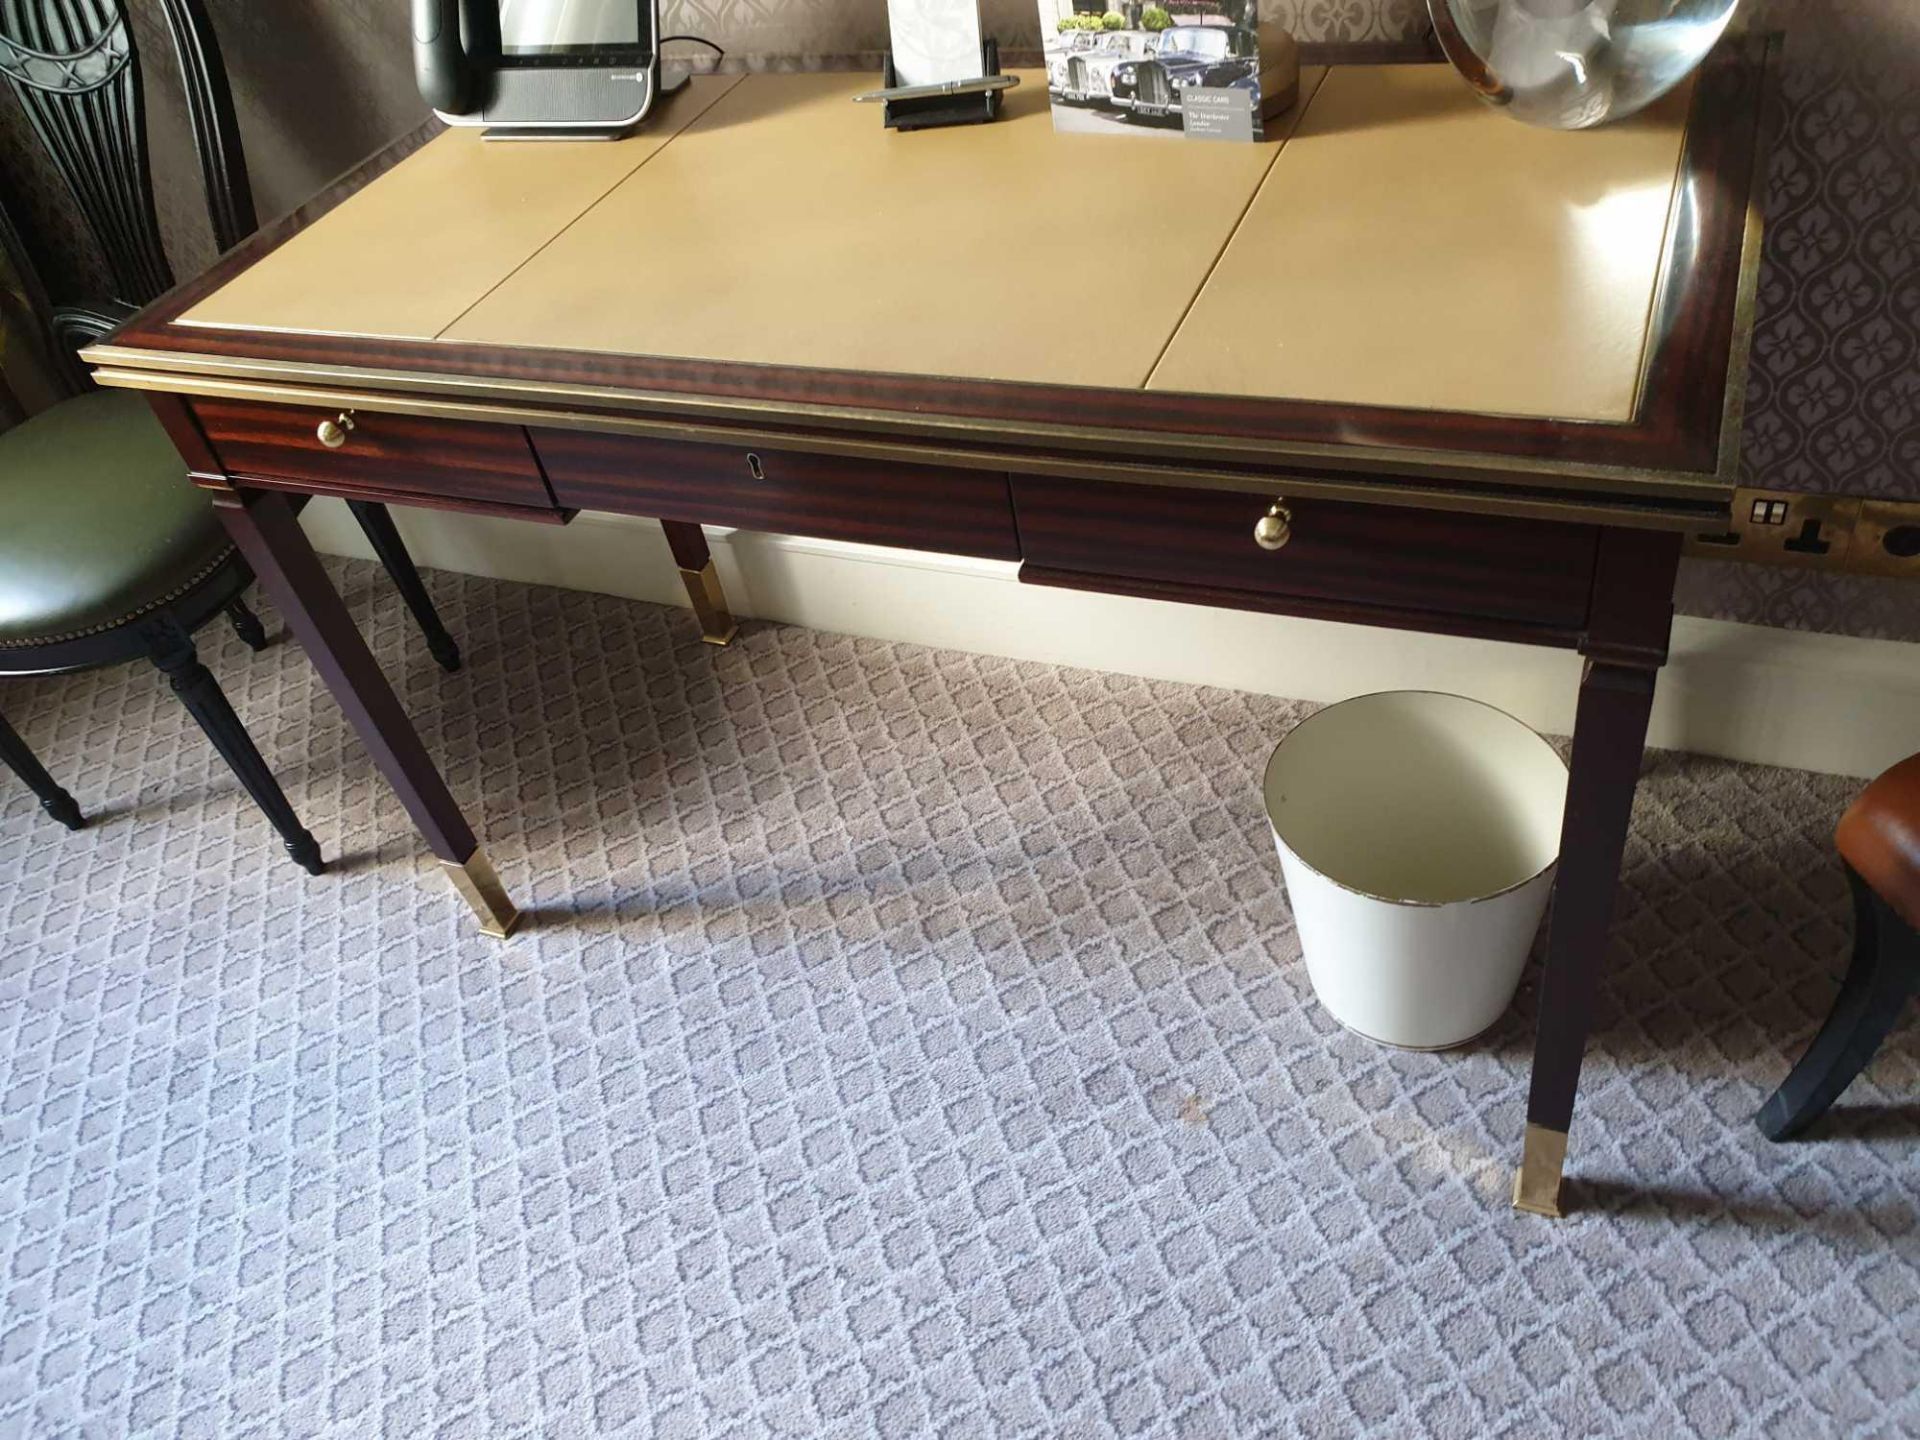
246,625
1884,972
384,536
172,651
55,801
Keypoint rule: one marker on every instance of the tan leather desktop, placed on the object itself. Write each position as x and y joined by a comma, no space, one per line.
1474,378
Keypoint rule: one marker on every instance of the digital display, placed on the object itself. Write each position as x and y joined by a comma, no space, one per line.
571,27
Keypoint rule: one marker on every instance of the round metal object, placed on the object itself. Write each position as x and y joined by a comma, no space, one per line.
333,433
1275,528
1570,64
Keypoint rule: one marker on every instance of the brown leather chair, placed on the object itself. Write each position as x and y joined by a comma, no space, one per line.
1879,841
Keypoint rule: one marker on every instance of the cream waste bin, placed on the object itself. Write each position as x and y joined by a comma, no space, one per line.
1418,834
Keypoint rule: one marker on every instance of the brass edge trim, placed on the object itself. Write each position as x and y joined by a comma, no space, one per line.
1679,203
179,370
1746,302
480,887
1733,405
1705,505
1536,1185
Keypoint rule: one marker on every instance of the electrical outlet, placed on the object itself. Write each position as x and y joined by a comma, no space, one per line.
1886,539
1779,527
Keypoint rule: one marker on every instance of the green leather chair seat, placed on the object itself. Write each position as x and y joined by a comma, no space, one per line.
98,524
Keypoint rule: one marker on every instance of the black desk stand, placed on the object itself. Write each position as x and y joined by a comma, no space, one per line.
971,109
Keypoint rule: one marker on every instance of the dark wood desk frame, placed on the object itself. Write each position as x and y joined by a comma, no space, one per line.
540,433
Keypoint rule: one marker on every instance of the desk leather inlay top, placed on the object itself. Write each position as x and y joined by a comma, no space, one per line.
1406,247
405,257
787,227
1414,247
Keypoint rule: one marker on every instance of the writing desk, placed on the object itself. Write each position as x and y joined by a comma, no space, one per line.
1487,374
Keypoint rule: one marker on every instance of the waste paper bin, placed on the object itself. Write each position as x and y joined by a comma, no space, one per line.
1418,834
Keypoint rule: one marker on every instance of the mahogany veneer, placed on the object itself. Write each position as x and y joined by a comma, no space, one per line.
395,456
1537,574
961,512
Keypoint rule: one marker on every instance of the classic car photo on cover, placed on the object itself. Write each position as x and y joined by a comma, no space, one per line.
1129,70
1085,76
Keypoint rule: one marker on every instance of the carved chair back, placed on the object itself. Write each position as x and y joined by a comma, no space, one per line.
73,67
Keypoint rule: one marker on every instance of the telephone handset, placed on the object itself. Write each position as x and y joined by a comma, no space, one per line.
445,65
530,69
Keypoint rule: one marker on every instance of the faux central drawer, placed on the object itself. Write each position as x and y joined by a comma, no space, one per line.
1382,557
370,454
876,502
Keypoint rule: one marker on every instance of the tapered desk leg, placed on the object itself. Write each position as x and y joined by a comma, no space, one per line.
1608,738
1627,642
689,545
376,523
264,527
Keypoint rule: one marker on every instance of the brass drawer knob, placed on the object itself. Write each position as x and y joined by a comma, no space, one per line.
333,433
1275,528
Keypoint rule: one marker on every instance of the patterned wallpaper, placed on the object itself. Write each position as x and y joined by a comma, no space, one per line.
1835,390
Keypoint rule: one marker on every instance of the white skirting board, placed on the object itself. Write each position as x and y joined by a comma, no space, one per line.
1831,703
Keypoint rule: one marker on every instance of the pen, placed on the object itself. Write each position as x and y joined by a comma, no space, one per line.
945,87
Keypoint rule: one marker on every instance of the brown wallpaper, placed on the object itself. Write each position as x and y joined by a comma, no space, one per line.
1835,393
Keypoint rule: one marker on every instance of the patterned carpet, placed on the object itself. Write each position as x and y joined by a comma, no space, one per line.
901,1043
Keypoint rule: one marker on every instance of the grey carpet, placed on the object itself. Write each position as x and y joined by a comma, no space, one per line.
901,1043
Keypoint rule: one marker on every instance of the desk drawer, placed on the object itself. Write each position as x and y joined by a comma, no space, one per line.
484,464
1381,557
876,502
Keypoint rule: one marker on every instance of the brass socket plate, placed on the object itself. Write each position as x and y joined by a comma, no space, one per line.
1849,533
1886,539
1783,527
